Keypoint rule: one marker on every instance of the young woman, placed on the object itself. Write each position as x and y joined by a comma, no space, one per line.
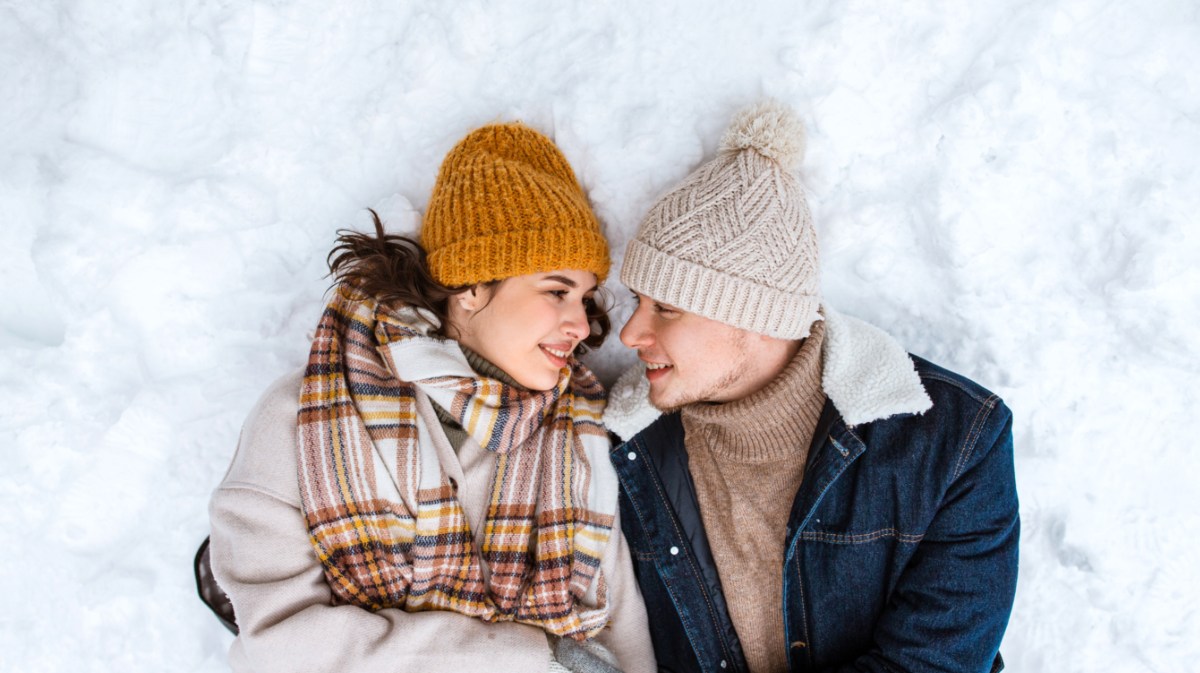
433,492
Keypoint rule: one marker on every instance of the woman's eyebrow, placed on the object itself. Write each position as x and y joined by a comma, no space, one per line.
566,281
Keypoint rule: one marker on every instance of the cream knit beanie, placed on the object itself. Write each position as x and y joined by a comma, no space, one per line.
734,242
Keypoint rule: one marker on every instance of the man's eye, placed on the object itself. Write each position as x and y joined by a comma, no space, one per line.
663,310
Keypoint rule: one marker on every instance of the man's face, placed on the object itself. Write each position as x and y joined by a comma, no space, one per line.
690,358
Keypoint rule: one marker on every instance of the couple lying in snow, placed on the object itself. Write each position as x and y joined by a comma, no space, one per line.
774,487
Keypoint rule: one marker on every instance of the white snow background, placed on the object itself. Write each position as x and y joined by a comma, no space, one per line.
1007,187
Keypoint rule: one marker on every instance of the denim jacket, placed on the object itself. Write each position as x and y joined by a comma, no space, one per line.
901,546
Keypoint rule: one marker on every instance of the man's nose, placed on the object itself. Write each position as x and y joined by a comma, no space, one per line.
636,332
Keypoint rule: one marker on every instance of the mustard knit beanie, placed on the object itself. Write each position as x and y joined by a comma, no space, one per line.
506,203
734,242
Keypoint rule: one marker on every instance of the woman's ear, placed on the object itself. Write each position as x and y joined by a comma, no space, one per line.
469,300
460,307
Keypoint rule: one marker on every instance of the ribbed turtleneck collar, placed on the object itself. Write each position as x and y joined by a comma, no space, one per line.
486,369
774,422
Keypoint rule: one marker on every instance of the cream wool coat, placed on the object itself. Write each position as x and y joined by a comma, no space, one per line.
262,558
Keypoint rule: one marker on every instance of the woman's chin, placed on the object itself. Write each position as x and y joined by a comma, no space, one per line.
536,381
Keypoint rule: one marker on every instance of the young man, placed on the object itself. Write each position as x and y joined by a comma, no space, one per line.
799,493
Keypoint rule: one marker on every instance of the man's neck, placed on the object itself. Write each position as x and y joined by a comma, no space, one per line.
772,422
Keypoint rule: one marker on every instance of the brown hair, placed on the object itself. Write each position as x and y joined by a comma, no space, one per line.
395,269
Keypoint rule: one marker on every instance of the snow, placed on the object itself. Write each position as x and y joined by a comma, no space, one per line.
1004,186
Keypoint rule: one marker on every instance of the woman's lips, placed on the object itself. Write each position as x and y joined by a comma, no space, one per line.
557,354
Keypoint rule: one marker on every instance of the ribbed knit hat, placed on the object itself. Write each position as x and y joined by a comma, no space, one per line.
506,203
734,242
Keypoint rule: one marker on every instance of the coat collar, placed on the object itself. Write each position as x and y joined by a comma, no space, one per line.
867,376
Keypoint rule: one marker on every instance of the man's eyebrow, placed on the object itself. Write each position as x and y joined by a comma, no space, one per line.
566,281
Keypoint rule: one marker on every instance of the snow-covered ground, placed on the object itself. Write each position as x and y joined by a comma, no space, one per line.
1005,186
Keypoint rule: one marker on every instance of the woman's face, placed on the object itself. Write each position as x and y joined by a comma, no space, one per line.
526,325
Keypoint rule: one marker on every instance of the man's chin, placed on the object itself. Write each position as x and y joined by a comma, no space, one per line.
665,403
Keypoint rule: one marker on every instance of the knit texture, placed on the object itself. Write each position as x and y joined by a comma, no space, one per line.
552,505
747,460
734,242
506,203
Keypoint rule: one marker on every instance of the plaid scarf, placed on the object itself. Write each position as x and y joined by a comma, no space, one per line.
381,512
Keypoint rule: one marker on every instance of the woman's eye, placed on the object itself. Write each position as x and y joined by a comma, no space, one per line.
560,293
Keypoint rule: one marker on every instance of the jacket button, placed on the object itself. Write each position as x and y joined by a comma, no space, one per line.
799,645
631,455
674,551
723,664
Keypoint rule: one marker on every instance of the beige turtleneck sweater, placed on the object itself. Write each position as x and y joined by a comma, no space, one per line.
747,460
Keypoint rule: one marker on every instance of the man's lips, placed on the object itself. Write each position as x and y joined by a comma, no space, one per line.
657,370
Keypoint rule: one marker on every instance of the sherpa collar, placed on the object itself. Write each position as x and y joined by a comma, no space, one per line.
867,375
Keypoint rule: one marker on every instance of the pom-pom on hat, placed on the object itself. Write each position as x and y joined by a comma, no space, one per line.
506,203
734,242
770,129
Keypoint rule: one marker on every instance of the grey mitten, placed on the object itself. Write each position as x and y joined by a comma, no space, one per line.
588,656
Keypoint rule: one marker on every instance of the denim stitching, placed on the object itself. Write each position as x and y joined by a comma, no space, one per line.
973,435
803,611
691,562
957,384
860,538
633,502
651,556
850,431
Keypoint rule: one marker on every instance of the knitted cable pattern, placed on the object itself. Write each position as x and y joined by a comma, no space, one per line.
734,242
